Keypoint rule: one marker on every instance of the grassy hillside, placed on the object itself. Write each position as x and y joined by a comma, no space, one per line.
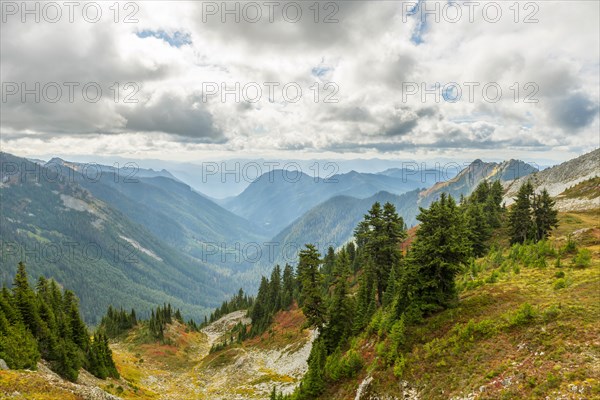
524,328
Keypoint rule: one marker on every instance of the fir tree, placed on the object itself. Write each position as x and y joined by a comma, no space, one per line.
309,274
340,313
520,217
545,216
440,249
289,283
275,290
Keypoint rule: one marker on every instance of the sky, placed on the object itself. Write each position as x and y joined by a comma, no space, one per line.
189,81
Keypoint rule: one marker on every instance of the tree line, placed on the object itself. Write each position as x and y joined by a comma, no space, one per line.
45,322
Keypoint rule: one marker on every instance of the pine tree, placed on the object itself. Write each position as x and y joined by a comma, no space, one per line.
260,312
493,207
289,283
313,304
365,297
18,347
340,312
438,252
25,300
545,216
328,266
379,236
275,290
394,233
392,287
478,229
520,218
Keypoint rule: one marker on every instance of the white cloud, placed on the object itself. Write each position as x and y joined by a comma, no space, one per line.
368,54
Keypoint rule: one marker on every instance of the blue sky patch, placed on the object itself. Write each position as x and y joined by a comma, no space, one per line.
177,39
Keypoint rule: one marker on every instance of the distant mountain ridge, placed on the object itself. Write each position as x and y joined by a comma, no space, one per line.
128,170
468,179
61,229
333,221
279,197
558,178
169,208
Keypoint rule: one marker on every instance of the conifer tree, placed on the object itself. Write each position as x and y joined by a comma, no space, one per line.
340,312
261,312
545,216
365,297
275,290
520,217
25,300
309,274
289,283
438,252
313,382
478,229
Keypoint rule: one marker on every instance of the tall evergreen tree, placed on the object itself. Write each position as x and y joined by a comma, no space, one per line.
313,304
289,284
25,300
340,312
365,297
260,313
437,255
275,290
478,229
545,216
379,236
313,382
520,217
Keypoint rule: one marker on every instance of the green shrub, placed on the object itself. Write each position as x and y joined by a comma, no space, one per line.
557,263
551,313
560,284
400,366
522,316
338,367
570,247
583,258
559,274
493,278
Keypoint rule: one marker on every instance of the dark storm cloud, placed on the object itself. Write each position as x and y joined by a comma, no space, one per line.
185,117
574,112
401,128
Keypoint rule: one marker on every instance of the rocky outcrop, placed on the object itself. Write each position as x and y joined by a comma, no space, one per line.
467,180
559,178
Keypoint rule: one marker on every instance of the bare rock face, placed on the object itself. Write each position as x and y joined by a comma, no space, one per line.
405,391
559,178
3,365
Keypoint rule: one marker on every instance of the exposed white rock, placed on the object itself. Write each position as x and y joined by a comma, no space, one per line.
559,178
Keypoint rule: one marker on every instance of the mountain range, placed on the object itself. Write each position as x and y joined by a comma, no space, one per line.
61,230
177,245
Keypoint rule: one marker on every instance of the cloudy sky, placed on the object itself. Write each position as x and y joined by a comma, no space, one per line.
203,80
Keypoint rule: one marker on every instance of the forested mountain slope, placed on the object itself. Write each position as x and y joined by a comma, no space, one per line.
62,231
168,208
